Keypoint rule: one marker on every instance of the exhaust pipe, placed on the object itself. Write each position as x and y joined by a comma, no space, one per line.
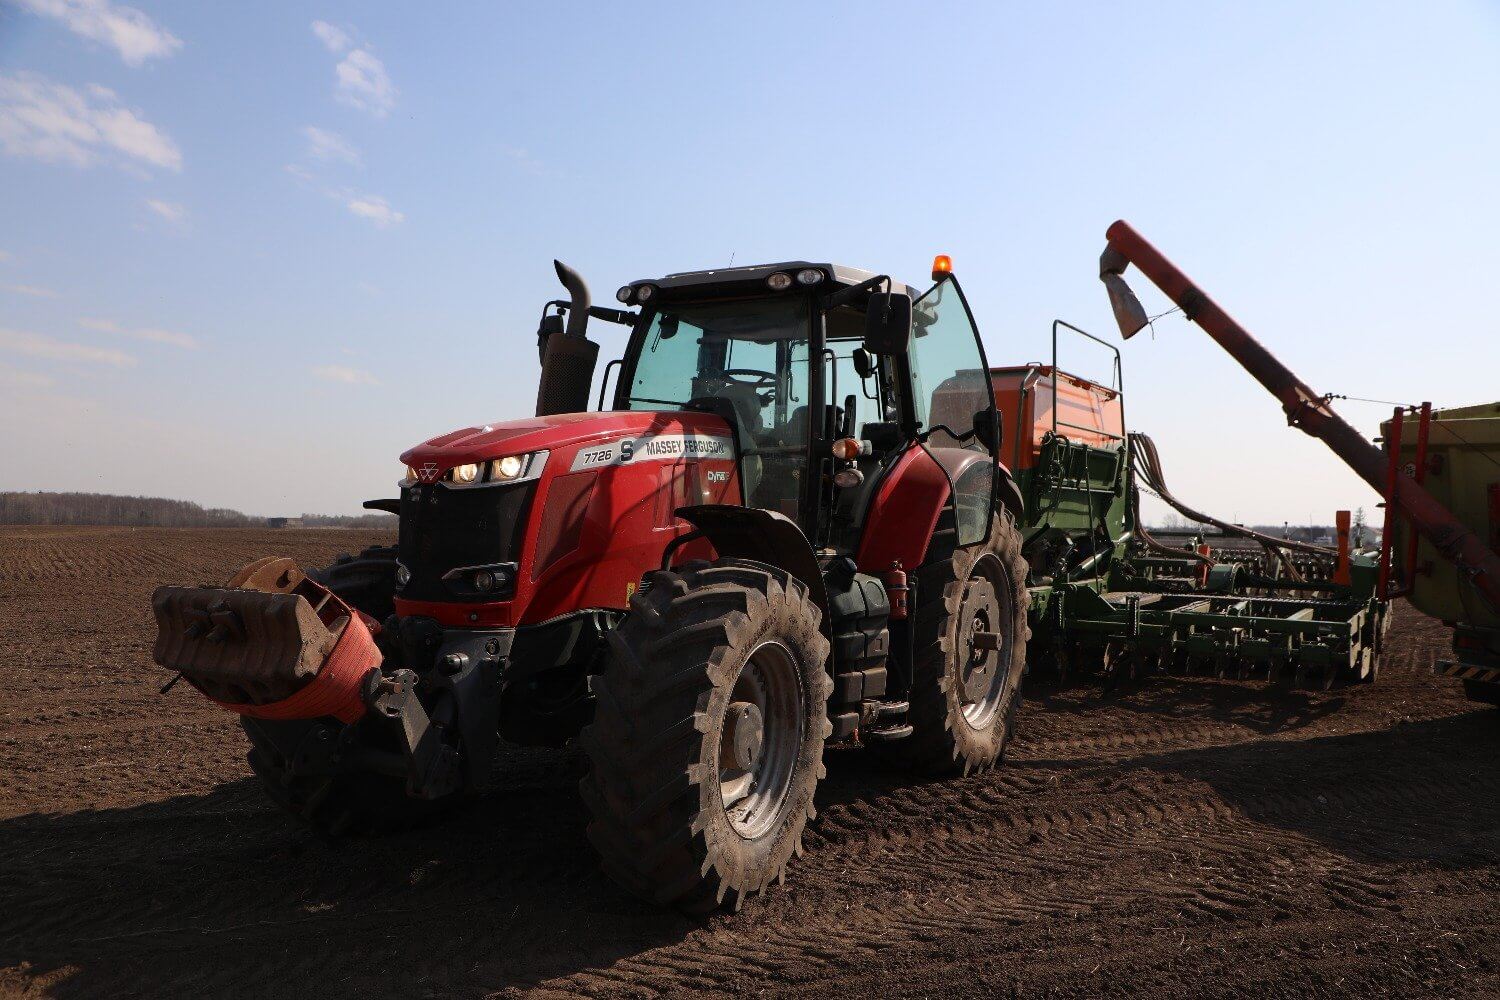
568,358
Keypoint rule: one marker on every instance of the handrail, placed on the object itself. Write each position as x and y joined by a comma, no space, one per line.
1116,380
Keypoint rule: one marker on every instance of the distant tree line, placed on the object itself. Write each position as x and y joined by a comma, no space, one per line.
151,512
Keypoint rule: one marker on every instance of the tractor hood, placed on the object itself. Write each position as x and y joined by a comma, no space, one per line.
558,432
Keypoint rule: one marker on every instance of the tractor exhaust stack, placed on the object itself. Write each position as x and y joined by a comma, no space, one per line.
568,356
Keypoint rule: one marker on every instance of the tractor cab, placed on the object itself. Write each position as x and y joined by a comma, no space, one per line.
828,375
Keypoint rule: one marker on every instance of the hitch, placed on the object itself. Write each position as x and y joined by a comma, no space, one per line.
432,765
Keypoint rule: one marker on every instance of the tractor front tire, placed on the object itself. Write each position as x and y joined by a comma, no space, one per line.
366,582
964,699
707,739
338,806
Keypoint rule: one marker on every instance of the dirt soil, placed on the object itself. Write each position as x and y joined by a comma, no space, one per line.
1188,836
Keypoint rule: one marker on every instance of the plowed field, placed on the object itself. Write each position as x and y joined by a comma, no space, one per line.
1187,836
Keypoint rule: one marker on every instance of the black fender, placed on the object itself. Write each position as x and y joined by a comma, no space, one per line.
957,461
765,537
1008,494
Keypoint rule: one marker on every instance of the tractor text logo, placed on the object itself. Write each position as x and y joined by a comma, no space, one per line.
428,473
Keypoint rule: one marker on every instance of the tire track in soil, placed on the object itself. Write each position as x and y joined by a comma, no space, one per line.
1217,811
1230,847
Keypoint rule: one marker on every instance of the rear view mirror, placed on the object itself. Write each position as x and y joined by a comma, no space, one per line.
1129,313
863,363
888,323
988,427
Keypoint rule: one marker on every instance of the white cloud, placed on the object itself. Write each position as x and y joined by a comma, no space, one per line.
349,376
374,208
35,291
337,39
57,123
37,346
172,211
364,83
362,80
325,145
18,378
126,30
149,334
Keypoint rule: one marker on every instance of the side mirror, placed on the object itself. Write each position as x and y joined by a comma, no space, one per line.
988,429
888,323
863,363
550,324
1129,313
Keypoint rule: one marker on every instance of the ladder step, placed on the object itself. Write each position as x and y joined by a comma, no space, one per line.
887,711
887,734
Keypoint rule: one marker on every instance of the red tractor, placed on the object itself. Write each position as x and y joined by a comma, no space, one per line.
791,529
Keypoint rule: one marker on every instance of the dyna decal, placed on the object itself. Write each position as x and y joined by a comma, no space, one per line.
654,448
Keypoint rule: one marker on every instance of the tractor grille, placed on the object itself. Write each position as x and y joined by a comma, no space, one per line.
444,528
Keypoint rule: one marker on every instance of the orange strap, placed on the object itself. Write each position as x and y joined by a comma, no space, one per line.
337,690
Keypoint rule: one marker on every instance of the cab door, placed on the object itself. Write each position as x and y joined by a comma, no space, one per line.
951,395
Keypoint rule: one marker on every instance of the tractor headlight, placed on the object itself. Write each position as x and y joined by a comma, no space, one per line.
809,276
780,281
507,468
498,471
624,294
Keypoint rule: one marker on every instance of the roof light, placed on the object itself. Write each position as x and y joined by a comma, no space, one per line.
623,295
644,293
809,276
780,281
941,264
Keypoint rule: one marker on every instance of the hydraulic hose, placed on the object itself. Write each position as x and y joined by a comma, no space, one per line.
1147,464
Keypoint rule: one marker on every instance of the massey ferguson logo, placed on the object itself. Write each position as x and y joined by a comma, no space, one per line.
429,472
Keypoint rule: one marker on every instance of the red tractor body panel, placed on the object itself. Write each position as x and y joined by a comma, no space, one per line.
603,508
903,513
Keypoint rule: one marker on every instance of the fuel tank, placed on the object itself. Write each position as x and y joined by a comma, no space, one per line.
584,510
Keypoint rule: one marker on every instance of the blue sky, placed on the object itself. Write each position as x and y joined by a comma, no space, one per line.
251,252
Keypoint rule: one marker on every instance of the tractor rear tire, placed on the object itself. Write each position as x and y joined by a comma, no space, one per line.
981,588
366,582
697,798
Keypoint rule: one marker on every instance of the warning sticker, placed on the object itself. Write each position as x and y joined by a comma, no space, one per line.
654,448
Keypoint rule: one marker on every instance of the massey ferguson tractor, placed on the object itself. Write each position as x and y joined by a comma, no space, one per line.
791,529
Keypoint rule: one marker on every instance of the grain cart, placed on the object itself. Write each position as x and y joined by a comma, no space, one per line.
1455,455
793,527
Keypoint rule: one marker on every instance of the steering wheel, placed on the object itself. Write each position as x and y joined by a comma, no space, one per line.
758,379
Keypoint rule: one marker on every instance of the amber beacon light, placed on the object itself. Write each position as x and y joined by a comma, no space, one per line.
941,264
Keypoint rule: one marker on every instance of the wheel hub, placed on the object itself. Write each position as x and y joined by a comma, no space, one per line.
981,657
745,731
759,739
985,630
